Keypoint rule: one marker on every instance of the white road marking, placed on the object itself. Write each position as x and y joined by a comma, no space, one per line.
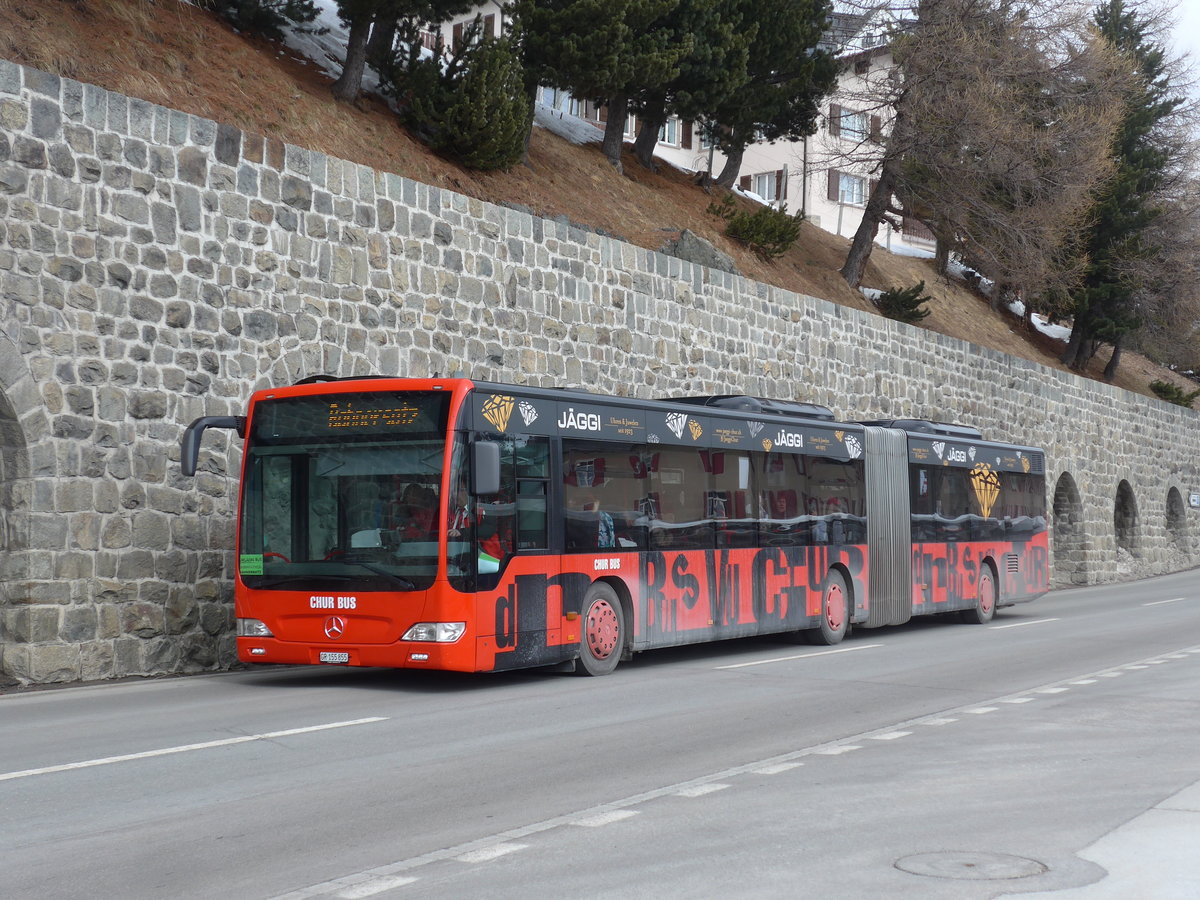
1022,624
699,790
186,748
763,662
838,750
1018,700
890,736
374,886
981,710
1161,602
1052,690
487,854
1137,667
777,769
1085,681
941,721
1111,674
607,818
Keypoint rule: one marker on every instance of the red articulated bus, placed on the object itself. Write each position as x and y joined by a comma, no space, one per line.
461,525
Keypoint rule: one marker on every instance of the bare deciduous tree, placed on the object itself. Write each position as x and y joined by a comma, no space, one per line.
1000,119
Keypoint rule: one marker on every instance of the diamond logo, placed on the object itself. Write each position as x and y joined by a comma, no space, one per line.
755,428
768,444
853,447
695,429
939,447
528,413
986,485
676,422
497,409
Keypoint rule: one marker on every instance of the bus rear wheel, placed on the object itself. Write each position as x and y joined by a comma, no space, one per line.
985,600
603,637
835,612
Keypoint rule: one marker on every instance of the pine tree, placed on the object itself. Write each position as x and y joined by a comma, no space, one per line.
602,50
373,23
476,111
715,67
786,80
1105,307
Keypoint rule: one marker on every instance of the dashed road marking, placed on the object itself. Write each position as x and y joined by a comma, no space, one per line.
778,768
374,886
606,818
487,854
1018,700
1161,602
1022,624
981,710
699,790
763,662
890,736
837,750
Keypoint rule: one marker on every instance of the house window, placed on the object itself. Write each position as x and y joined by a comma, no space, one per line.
855,125
852,189
669,132
764,185
862,66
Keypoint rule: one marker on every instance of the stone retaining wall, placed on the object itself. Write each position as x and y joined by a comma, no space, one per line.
156,266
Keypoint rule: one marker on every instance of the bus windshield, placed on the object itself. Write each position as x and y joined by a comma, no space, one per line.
342,492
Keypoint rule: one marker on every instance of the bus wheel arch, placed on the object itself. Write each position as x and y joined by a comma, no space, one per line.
837,607
604,634
987,596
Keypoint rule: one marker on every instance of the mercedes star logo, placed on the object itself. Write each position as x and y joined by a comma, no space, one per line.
335,627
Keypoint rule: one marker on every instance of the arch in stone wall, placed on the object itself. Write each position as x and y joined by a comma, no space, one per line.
1126,522
1070,562
16,393
1177,532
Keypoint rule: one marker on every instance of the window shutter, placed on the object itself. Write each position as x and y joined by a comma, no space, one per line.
835,178
780,184
602,113
686,141
876,129
489,25
835,119
744,182
456,41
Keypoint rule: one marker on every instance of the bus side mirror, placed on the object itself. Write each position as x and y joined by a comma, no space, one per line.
189,445
485,468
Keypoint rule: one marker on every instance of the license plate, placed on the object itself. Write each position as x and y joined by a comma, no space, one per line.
328,656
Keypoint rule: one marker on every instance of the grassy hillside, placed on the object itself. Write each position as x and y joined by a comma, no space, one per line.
179,56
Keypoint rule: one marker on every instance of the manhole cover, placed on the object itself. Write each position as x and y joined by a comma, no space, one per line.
970,866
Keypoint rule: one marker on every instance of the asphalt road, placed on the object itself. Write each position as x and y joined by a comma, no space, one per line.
928,761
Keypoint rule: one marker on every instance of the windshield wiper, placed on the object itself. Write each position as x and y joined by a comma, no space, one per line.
404,583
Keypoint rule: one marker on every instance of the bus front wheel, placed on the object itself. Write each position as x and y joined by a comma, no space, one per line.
985,600
835,612
603,637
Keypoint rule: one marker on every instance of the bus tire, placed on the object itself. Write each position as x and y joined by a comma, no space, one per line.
603,637
985,599
835,612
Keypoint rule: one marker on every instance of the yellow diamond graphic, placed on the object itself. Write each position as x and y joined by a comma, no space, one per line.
839,434
497,409
767,444
695,429
1025,464
987,487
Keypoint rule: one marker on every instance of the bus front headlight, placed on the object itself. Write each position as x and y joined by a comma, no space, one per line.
253,628
436,632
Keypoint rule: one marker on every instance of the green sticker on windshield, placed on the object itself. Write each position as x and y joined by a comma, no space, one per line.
250,564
